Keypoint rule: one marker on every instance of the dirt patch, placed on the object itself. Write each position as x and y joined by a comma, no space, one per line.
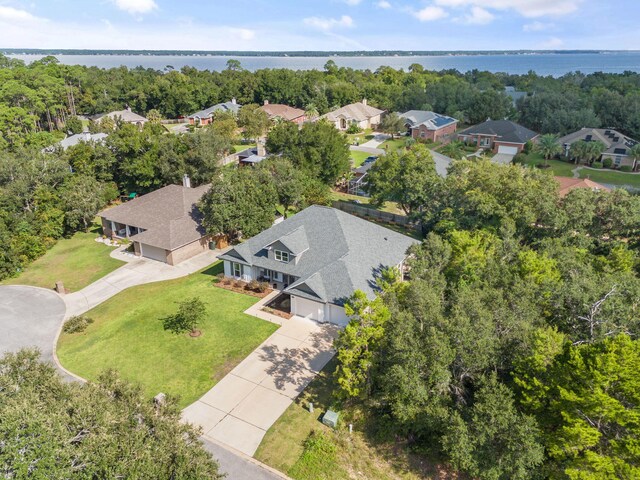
242,287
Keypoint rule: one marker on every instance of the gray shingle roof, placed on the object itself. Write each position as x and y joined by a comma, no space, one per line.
124,115
168,215
72,140
431,120
504,130
344,253
220,107
615,142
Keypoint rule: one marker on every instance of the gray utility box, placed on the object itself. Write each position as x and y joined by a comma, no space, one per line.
330,418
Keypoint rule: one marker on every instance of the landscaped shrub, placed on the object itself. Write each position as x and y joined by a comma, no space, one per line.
77,324
528,147
263,287
625,168
607,162
220,278
253,285
353,129
239,284
519,159
596,165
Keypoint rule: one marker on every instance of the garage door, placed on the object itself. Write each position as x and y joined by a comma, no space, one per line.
507,150
307,308
154,253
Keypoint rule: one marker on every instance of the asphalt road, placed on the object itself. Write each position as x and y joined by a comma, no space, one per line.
29,317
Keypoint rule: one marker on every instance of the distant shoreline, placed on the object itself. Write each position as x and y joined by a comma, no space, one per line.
371,53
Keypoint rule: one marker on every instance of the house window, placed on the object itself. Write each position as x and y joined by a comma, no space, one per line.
282,256
237,270
422,133
618,160
485,141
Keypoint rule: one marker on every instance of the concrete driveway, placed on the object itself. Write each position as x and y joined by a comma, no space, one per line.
29,317
502,158
240,408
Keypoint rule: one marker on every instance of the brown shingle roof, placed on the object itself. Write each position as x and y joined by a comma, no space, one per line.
567,184
168,215
283,111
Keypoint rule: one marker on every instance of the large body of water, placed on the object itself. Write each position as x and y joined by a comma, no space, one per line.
542,64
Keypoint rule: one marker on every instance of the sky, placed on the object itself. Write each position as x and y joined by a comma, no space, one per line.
321,24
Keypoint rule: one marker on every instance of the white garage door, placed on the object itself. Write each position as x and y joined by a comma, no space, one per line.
507,150
307,308
154,253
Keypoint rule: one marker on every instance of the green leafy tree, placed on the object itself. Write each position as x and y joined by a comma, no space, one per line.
358,342
288,181
496,441
240,204
83,197
454,150
105,429
74,125
190,314
253,120
634,154
408,177
154,116
393,124
587,401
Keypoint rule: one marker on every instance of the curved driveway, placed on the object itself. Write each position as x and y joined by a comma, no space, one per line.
29,317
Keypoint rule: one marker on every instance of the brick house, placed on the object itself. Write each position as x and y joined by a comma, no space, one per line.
426,125
499,136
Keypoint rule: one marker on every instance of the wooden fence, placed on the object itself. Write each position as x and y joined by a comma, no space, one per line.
377,215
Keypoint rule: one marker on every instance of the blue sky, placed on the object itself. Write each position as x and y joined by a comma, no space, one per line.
321,24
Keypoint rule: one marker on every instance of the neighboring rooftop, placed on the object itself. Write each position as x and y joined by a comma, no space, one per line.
125,115
336,253
231,106
504,131
169,216
567,184
358,112
615,142
514,94
72,140
284,112
431,120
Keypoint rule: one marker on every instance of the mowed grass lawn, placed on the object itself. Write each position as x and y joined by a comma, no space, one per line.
127,335
558,167
358,157
76,261
613,178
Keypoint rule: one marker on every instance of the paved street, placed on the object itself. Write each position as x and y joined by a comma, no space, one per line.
29,317
240,408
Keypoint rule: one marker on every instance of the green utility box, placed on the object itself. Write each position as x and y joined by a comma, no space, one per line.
330,418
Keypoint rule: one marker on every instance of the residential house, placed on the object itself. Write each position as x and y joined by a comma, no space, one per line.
278,111
567,184
425,125
359,178
126,116
318,258
73,140
205,117
252,156
164,225
499,136
360,114
616,144
514,94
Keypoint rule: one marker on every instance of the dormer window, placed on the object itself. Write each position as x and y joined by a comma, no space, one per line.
281,256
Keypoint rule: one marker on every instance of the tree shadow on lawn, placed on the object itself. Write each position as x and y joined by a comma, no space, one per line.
213,270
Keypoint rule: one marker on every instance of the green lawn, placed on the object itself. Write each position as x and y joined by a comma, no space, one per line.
283,445
240,148
127,335
390,207
77,261
614,178
171,126
358,157
393,145
558,167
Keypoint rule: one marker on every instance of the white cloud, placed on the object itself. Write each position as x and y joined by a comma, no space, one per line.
326,24
244,33
537,26
352,2
430,13
383,4
478,16
10,14
136,6
527,8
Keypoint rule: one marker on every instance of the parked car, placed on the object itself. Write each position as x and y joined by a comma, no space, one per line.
370,159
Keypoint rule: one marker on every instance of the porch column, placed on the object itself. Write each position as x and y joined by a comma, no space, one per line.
113,228
127,229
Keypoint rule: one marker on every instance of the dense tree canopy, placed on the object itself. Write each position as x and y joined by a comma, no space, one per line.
56,429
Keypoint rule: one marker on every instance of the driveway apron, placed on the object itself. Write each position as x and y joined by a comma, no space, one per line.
240,408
